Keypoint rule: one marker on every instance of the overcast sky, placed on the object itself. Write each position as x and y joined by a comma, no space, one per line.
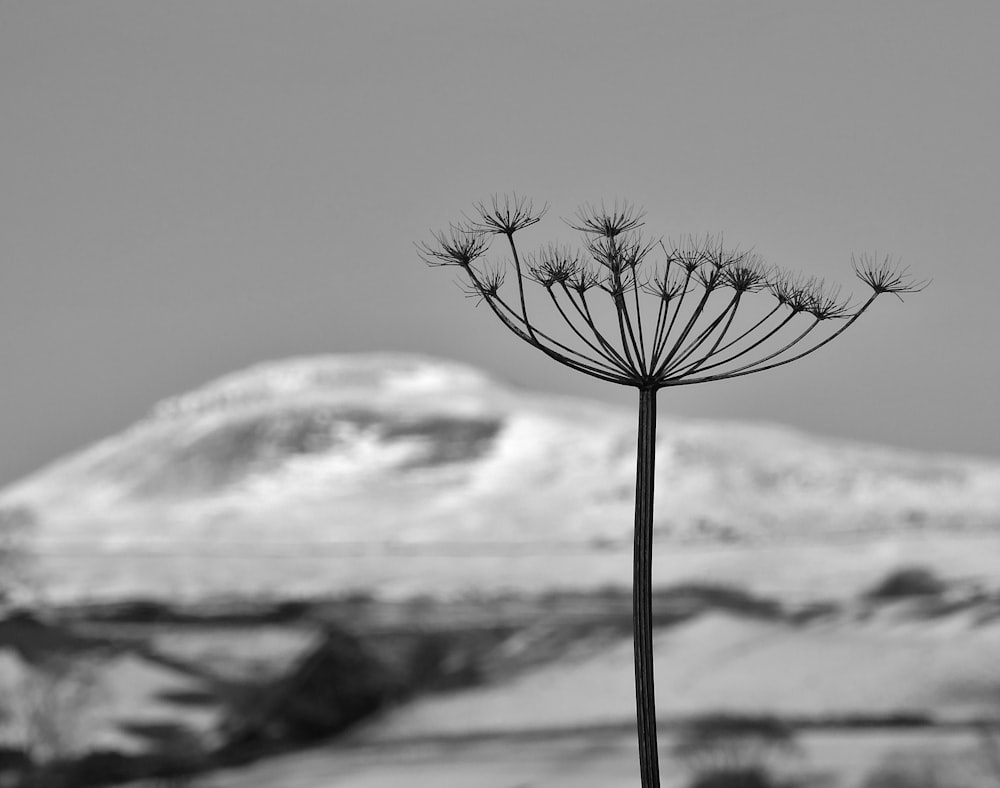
190,188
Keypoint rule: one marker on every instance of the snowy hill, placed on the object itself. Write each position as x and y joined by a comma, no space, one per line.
371,455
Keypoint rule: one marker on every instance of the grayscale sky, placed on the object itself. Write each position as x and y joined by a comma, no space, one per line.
189,188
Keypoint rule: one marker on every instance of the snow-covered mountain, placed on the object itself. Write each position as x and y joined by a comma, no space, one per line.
362,455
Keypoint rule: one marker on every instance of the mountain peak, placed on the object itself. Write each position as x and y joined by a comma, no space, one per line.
386,377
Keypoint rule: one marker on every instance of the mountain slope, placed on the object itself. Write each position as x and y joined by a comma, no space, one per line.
370,453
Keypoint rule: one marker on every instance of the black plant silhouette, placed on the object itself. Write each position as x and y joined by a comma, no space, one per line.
686,333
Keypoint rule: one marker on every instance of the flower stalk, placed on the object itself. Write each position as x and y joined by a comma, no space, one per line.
700,339
642,589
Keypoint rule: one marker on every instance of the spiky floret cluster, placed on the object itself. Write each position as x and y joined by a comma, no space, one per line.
691,337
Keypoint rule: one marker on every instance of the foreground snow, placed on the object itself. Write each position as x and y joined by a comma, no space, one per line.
579,759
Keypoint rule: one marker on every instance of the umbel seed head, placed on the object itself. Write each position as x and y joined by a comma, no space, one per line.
623,313
886,276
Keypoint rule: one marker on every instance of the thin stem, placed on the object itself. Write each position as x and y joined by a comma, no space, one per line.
745,334
630,363
698,341
583,309
615,290
663,330
625,324
617,293
532,336
566,361
642,591
492,300
520,284
657,351
588,369
776,353
600,352
692,320
661,318
749,369
638,320
743,352
718,341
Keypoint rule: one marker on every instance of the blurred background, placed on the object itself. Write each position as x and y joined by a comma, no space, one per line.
278,506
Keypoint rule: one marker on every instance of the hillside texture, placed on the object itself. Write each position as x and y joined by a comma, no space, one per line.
250,482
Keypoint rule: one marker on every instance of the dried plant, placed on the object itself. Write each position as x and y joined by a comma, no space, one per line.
622,318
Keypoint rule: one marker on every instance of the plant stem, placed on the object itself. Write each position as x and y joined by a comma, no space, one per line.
642,590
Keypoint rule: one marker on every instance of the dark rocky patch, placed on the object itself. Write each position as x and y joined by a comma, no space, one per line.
907,582
261,442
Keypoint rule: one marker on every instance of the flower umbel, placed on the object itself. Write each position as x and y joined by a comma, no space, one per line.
487,284
886,276
712,313
607,222
459,246
554,264
696,335
506,215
